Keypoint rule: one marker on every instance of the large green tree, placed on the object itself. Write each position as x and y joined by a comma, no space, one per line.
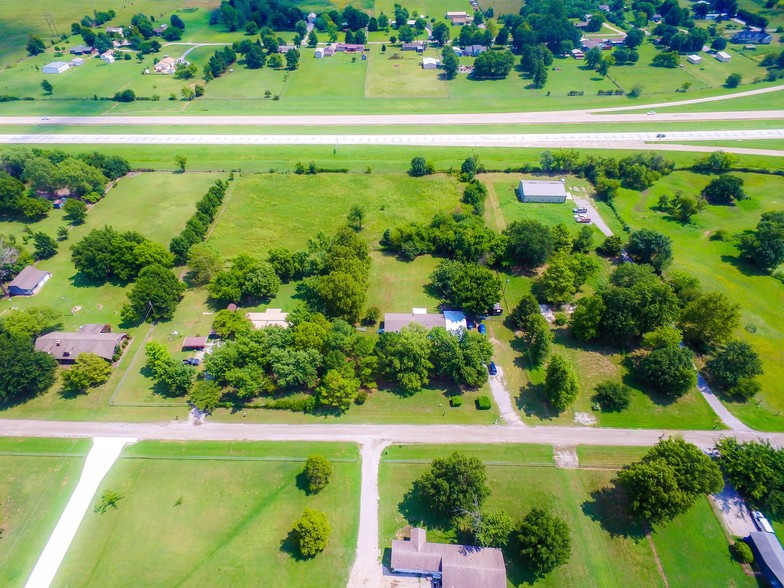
764,247
317,473
404,357
337,390
529,243
311,532
154,296
24,372
545,541
710,319
560,384
669,370
724,190
453,485
647,246
467,286
88,370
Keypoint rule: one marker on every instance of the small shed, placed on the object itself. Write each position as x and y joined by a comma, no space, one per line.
56,67
77,61
695,59
723,56
430,63
28,282
191,343
108,57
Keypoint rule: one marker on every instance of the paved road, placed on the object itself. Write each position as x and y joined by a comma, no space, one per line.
500,118
586,140
593,214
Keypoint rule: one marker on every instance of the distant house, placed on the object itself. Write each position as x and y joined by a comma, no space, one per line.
59,203
752,37
578,54
56,67
160,29
77,61
117,30
695,59
167,65
28,282
394,321
286,48
268,318
541,191
81,50
604,7
769,556
454,566
418,46
190,343
430,63
723,56
349,48
474,50
459,18
65,347
108,57
656,18
319,52
312,17
458,51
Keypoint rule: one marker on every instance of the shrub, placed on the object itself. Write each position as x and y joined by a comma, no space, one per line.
456,401
317,472
311,532
742,552
307,404
361,397
483,403
613,396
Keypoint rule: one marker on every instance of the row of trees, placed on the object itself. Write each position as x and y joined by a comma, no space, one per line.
197,226
257,55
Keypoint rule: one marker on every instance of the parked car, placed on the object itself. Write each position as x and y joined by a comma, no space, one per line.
482,330
761,522
584,219
191,361
492,370
580,210
660,136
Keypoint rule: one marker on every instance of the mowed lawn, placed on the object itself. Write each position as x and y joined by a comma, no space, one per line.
522,477
399,74
718,267
210,514
37,477
285,210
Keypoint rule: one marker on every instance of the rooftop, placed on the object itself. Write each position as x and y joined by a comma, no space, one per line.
65,346
461,566
769,549
270,317
542,188
28,278
394,321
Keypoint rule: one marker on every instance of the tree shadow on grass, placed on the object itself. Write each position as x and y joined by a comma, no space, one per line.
532,402
288,545
301,481
71,393
608,506
744,267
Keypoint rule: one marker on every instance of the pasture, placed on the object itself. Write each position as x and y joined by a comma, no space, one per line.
221,513
605,549
37,477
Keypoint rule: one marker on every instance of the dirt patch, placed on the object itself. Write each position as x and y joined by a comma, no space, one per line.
78,308
585,418
565,457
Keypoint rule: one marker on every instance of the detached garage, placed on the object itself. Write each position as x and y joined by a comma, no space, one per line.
539,191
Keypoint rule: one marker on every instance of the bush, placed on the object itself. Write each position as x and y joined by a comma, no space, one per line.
457,401
307,404
742,552
613,396
361,397
317,472
311,532
483,403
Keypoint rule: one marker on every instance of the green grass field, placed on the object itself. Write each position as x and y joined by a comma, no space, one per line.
215,514
37,477
522,477
717,266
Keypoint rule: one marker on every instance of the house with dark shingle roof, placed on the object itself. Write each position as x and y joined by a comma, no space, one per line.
65,347
456,566
28,282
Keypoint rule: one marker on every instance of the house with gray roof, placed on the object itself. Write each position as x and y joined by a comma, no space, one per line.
539,191
28,282
394,321
769,556
456,566
752,38
65,347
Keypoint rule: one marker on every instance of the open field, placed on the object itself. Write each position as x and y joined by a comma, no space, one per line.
37,477
221,516
522,477
717,266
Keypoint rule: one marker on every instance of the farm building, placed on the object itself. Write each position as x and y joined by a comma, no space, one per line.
695,59
56,67
769,556
268,318
28,282
456,566
167,65
418,46
539,191
723,56
752,37
459,18
455,321
430,63
312,17
108,57
77,61
65,347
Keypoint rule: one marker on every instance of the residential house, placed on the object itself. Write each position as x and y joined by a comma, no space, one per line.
167,65
65,347
28,282
191,343
769,556
723,56
418,46
456,322
394,321
430,63
116,30
752,37
458,51
452,566
312,17
578,54
56,67
656,18
459,18
695,59
286,48
159,30
81,50
541,191
349,48
474,50
108,57
604,7
268,318
319,52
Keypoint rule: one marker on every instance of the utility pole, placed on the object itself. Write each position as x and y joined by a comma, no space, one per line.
52,27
